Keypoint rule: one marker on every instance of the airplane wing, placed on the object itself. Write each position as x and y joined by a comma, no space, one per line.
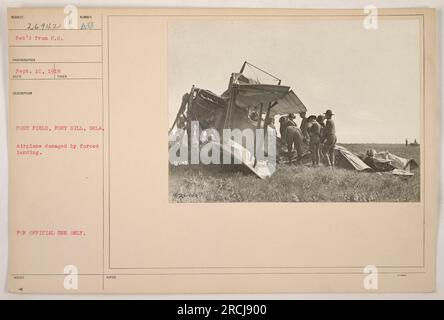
255,94
289,103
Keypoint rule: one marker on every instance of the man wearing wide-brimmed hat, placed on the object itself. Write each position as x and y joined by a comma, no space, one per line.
329,139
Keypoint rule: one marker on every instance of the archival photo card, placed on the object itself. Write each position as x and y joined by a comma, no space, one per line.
222,150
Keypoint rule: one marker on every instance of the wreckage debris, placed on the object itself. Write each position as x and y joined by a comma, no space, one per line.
375,162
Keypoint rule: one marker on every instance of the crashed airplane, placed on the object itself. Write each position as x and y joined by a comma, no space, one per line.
246,104
250,104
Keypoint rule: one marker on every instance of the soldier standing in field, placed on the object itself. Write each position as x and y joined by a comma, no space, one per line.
320,119
329,139
315,139
304,126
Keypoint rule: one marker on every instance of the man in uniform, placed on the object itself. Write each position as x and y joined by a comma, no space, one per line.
293,136
281,126
329,139
315,140
289,121
320,119
304,131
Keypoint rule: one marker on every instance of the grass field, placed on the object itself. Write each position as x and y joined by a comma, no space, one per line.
235,183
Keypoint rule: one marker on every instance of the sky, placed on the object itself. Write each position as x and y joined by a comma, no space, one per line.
369,78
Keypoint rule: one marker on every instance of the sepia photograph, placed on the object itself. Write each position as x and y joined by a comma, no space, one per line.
294,110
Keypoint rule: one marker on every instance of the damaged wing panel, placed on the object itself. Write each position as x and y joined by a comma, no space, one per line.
385,162
396,161
290,103
261,168
255,94
353,159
